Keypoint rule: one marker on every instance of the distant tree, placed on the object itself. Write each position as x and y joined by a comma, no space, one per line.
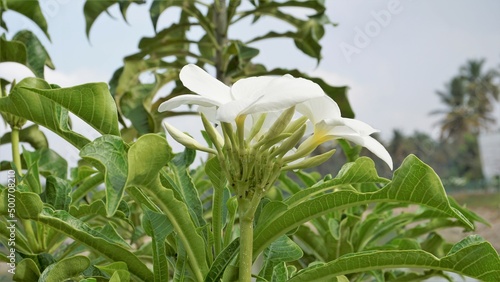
469,100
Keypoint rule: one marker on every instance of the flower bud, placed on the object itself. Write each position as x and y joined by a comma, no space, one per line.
310,162
186,140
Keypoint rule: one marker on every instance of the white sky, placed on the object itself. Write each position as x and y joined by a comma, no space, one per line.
392,77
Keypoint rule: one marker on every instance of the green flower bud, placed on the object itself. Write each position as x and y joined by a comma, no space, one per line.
311,162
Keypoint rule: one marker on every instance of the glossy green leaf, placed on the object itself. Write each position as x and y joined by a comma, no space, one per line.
31,10
109,154
37,56
471,257
412,182
41,110
158,227
65,269
91,102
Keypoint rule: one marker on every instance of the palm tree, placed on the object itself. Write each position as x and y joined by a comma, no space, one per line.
469,99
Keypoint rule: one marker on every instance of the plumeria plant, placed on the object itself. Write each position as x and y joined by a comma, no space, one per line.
254,209
260,133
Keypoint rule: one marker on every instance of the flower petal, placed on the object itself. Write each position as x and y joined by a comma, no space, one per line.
373,145
319,109
251,88
229,111
284,92
200,82
189,99
359,126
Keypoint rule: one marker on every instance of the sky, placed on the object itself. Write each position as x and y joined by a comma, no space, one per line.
392,54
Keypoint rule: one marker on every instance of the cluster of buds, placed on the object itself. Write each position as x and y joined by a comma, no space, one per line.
258,126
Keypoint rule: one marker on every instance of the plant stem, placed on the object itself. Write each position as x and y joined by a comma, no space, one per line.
247,210
220,21
30,235
217,219
246,245
16,157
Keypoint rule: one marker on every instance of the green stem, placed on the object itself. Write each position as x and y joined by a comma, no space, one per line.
30,235
16,157
246,246
247,213
217,219
86,186
220,22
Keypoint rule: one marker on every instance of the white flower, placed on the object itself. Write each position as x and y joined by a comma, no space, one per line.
324,113
247,96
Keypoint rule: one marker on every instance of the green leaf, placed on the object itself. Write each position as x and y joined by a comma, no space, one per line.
215,174
32,11
32,179
472,257
112,267
39,109
181,181
146,157
109,154
152,152
57,192
65,269
94,240
51,163
26,270
120,276
133,105
414,182
280,251
91,102
28,204
96,208
31,135
92,10
280,273
222,261
37,56
158,227
13,51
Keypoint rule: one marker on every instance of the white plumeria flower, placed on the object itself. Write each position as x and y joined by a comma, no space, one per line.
247,96
324,113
